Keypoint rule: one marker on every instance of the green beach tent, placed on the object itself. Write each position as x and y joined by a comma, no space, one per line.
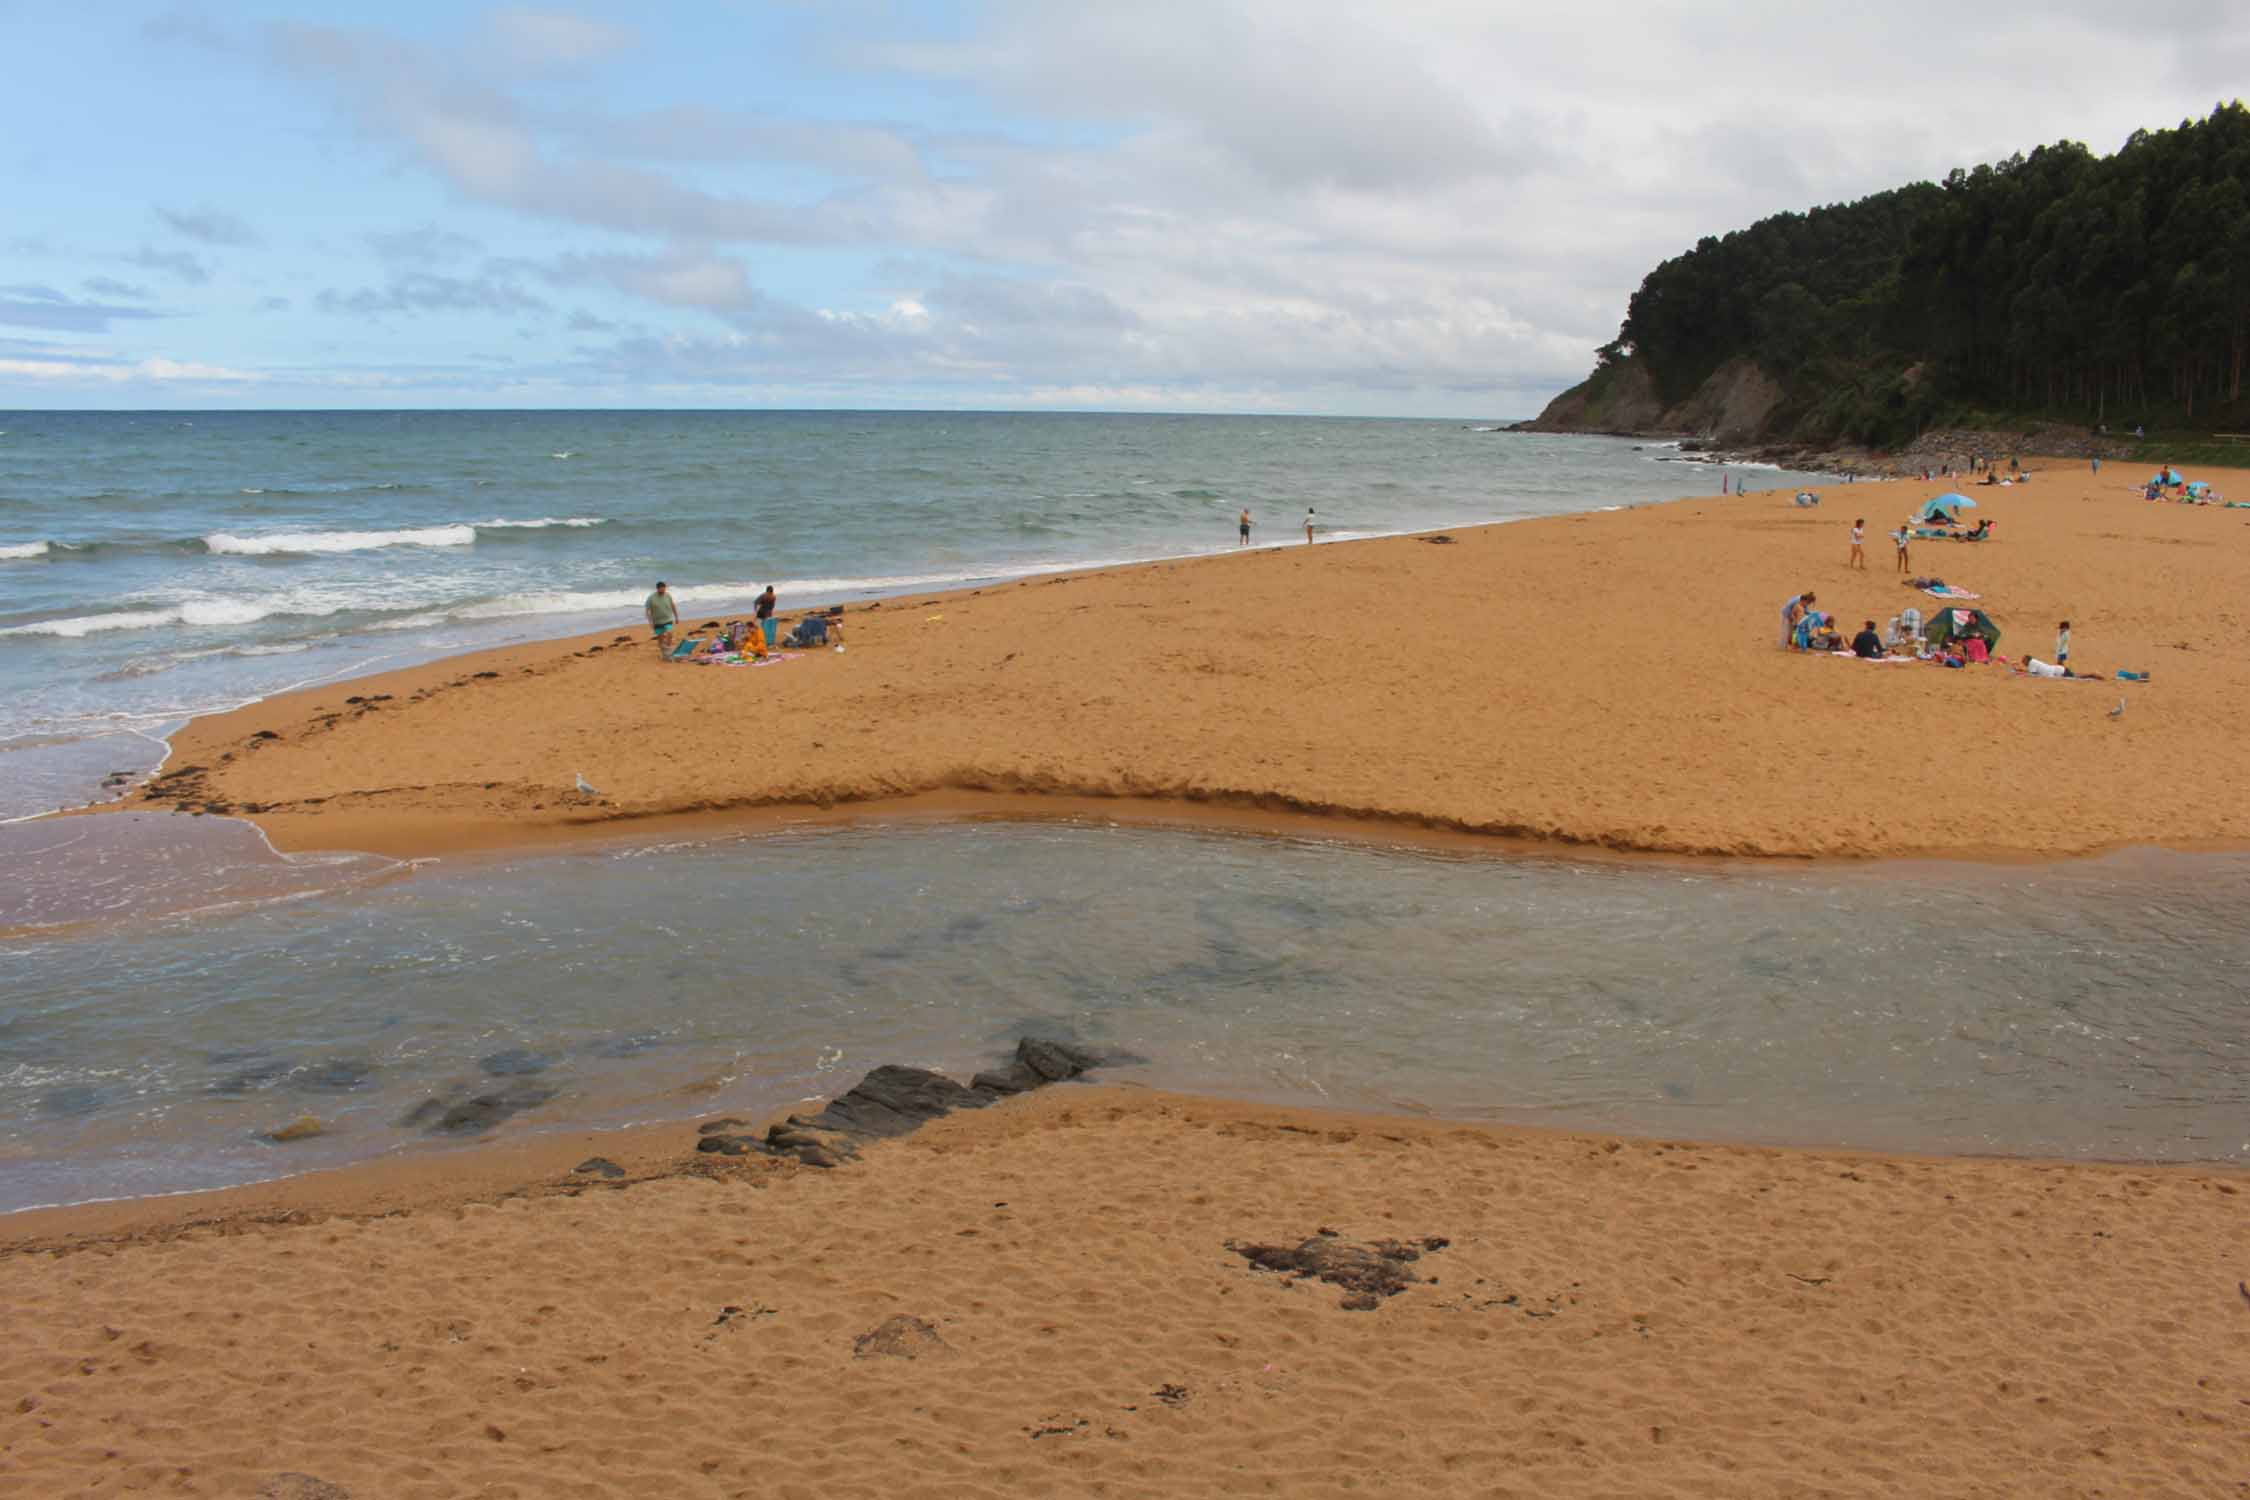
1955,624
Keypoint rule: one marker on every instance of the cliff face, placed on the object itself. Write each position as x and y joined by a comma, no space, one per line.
1619,398
1733,406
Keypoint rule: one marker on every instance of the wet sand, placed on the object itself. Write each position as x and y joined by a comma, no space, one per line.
1607,1317
1599,681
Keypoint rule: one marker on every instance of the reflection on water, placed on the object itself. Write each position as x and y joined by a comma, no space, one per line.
2083,1010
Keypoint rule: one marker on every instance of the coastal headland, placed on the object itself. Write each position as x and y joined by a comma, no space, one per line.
1067,1293
1600,681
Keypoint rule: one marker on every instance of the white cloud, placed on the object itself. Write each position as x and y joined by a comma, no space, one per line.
163,371
535,38
1213,199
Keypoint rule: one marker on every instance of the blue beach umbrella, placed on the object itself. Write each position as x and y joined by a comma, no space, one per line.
1946,502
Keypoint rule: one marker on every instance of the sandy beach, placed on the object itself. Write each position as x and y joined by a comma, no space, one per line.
1605,681
1606,1316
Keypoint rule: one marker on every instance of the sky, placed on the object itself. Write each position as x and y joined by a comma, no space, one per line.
1416,208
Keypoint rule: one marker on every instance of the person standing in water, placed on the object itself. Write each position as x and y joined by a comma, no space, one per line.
1308,526
765,615
663,613
1245,528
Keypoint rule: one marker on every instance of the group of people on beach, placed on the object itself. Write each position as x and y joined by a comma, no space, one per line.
663,611
1243,527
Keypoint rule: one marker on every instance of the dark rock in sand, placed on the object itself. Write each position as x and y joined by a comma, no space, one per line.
728,1145
1038,1061
720,1127
900,1337
477,1112
1368,1272
599,1166
337,1075
515,1062
301,1487
894,1100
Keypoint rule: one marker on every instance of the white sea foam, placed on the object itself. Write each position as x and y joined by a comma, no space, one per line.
542,522
218,611
18,551
283,542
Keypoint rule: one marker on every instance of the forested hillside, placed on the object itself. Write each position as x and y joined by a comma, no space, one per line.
2059,284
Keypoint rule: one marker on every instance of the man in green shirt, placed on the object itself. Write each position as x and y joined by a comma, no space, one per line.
663,615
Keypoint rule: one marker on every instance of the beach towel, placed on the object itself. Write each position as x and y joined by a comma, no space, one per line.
1947,591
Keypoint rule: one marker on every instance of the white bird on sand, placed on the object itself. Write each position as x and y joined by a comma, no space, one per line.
2119,711
585,788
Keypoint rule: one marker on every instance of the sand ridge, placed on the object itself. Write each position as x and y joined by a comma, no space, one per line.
1604,680
1609,1316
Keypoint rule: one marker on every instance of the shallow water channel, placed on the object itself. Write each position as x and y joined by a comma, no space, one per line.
2093,1009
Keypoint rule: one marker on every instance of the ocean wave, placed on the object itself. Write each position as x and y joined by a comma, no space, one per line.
20,551
202,612
541,523
276,543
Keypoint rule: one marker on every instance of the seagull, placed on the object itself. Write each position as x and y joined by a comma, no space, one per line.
585,788
2119,711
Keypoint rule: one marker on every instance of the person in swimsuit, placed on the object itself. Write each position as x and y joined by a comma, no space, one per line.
663,613
1245,528
1308,526
1792,610
766,620
1859,534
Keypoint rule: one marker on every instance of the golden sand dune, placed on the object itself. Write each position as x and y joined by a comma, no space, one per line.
1609,1317
1606,680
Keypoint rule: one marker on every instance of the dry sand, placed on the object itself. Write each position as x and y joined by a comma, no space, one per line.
1606,681
1609,1318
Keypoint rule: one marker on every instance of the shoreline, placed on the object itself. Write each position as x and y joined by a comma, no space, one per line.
1576,1313
528,1161
406,799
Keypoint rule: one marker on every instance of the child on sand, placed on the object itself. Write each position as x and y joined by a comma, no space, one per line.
1902,536
2062,644
1859,533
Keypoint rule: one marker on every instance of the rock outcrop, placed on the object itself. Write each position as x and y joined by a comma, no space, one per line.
895,1100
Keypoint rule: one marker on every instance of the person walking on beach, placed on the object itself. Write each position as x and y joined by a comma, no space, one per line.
1245,528
765,615
663,613
1859,534
1308,526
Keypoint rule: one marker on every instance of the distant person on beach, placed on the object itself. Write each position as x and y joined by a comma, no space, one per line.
1902,536
1308,526
1245,528
1867,643
1859,534
2062,644
766,620
1793,609
663,613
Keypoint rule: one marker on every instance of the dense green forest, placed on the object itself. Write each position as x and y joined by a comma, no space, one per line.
2063,284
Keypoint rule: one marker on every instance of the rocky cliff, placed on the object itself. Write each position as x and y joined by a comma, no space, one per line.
1733,406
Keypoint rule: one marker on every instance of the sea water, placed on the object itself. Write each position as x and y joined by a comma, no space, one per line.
154,566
